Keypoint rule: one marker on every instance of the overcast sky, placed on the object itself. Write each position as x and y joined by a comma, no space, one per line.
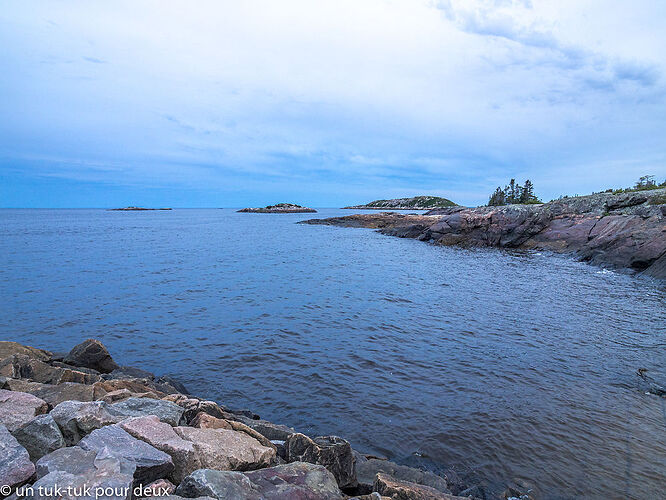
325,103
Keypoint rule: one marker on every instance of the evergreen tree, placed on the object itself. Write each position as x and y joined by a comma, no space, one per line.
527,193
497,198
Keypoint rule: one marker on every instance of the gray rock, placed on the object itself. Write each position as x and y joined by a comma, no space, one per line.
332,452
151,463
366,469
300,481
92,354
25,367
40,436
8,349
107,478
73,460
15,464
77,419
274,432
18,408
166,411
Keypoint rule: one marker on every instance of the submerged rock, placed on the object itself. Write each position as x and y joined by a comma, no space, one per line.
302,481
15,464
40,436
92,354
332,452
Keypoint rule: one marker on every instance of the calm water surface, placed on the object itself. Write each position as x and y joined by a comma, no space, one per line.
514,366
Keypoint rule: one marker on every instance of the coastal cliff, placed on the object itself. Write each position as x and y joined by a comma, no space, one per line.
621,231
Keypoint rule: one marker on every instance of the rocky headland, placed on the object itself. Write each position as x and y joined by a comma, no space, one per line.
619,231
280,208
78,420
414,203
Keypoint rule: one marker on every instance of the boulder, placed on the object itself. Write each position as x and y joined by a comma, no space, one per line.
205,421
270,430
123,394
25,367
15,464
77,419
225,449
404,490
300,481
8,349
107,478
40,436
55,394
72,460
92,354
332,452
18,408
141,386
163,437
151,463
166,411
366,470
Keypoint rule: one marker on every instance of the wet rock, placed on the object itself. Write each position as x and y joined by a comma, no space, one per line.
170,385
302,481
92,354
332,452
107,478
77,419
404,490
15,464
163,437
166,411
8,349
151,463
73,460
270,430
55,394
366,469
226,449
18,408
40,436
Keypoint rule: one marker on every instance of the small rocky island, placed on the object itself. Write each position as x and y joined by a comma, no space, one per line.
76,419
625,230
414,203
135,209
280,208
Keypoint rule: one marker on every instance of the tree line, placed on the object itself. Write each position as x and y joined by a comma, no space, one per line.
514,193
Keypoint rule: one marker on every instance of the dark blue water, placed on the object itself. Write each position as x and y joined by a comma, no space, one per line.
515,365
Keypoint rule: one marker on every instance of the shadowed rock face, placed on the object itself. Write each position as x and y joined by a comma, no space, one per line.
619,231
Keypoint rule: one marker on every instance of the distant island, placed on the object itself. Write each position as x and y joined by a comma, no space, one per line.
414,203
135,209
280,208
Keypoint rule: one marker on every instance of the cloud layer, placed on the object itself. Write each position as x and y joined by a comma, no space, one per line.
328,102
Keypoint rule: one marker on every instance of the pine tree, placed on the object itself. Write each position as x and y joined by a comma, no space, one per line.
497,198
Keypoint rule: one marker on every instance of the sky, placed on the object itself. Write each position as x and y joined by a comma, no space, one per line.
326,103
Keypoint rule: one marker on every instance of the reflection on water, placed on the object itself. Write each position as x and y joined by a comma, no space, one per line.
515,365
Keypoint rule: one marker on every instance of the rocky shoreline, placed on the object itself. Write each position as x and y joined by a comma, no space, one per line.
80,423
618,231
